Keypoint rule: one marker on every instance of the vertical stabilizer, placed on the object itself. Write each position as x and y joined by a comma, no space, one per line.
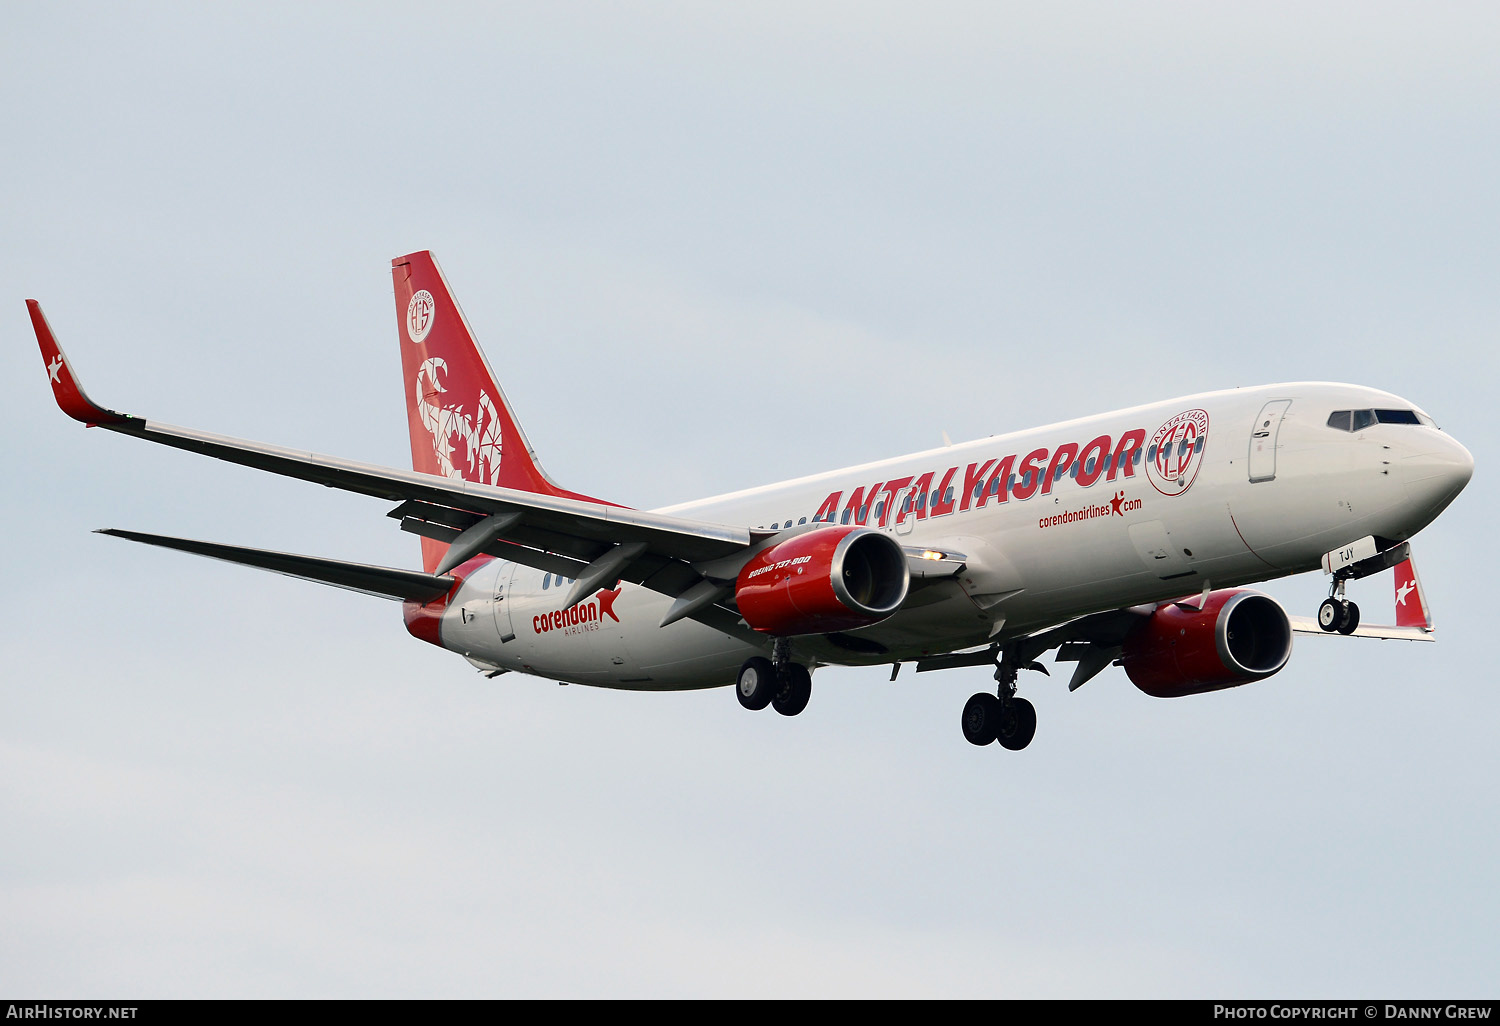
460,422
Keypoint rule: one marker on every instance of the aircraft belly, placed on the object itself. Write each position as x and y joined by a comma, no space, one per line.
946,619
688,655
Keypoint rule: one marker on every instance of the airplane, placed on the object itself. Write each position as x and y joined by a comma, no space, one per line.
1124,539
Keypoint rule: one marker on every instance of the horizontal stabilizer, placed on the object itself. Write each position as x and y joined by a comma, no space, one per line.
386,582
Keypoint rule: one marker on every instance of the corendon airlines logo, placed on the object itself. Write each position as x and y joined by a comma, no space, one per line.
1176,450
479,435
1116,507
585,616
419,315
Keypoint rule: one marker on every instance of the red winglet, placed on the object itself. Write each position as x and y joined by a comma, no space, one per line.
1411,602
65,387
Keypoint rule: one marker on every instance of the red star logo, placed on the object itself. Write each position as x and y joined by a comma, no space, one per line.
607,604
1117,502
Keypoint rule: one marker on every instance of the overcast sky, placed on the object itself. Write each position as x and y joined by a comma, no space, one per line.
708,247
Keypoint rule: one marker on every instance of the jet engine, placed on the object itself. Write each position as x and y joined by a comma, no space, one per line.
829,579
1236,637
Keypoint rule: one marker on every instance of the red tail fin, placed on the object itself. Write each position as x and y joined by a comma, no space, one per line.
1411,601
461,424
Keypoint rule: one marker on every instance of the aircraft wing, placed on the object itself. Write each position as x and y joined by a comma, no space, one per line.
1308,625
381,581
561,534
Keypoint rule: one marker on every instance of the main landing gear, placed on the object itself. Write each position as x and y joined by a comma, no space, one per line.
1003,716
782,684
1338,613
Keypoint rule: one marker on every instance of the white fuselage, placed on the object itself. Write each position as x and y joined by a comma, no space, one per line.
1220,489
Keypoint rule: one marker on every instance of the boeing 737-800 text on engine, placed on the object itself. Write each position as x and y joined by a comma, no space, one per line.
1127,538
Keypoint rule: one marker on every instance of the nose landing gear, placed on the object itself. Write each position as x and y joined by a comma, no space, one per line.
1338,613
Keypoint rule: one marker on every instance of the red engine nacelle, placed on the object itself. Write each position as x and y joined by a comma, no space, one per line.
1237,637
829,579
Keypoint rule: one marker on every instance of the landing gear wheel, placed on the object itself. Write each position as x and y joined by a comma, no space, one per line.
1350,620
757,683
981,717
1330,614
1017,724
796,689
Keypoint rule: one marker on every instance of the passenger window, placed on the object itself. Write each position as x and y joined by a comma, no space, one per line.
847,513
802,521
546,581
1363,419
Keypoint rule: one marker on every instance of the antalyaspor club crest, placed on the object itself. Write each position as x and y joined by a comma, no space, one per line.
419,315
1176,452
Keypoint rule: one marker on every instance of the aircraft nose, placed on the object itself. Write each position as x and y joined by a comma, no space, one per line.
1437,473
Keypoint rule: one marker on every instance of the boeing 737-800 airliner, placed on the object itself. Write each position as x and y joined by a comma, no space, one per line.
1126,538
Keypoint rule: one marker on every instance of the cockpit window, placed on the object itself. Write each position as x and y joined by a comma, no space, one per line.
1397,417
1358,420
